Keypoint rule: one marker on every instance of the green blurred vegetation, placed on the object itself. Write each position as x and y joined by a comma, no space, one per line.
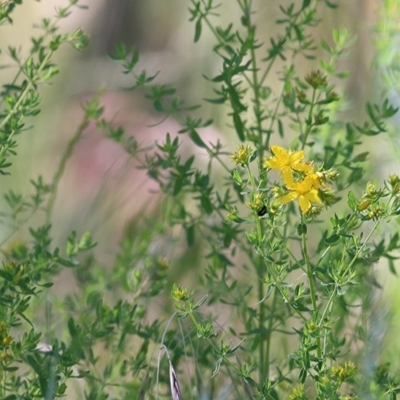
102,299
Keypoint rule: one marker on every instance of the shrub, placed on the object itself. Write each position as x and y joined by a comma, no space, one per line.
282,228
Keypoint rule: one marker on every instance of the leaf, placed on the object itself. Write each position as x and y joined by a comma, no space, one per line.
388,111
237,122
332,239
268,293
301,229
373,112
361,157
218,100
330,4
325,46
206,204
200,302
392,267
86,242
196,139
217,367
352,201
236,177
67,263
280,128
197,31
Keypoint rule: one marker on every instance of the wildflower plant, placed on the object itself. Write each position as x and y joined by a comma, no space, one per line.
280,232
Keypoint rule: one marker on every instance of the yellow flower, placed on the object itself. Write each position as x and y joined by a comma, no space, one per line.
316,179
304,191
286,161
7,340
242,155
179,293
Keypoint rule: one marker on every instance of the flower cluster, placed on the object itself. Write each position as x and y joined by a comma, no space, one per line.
302,182
243,155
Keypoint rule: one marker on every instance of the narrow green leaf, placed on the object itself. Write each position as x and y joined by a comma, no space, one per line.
196,139
280,128
200,302
332,239
239,126
352,201
218,100
197,32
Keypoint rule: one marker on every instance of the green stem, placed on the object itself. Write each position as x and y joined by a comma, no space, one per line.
360,249
269,332
309,123
274,301
2,380
311,281
259,269
263,370
329,304
227,361
61,167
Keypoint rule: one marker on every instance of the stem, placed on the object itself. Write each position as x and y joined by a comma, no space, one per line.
61,167
256,89
269,332
226,360
309,124
328,306
2,380
273,307
261,307
310,276
360,249
262,351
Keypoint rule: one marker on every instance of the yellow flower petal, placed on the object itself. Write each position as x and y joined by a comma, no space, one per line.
287,177
288,197
296,157
304,167
304,203
279,152
312,195
273,163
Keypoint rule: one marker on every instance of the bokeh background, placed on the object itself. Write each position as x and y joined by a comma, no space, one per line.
100,187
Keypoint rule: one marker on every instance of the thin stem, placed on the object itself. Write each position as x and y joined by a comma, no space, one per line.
328,306
354,259
261,306
269,332
61,167
310,276
309,124
274,303
263,370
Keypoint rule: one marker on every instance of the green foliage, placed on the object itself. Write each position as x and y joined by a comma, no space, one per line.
283,271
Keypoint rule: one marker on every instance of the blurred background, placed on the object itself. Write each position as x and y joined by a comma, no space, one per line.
99,183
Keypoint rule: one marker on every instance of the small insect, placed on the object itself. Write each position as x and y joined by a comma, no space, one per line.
262,211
